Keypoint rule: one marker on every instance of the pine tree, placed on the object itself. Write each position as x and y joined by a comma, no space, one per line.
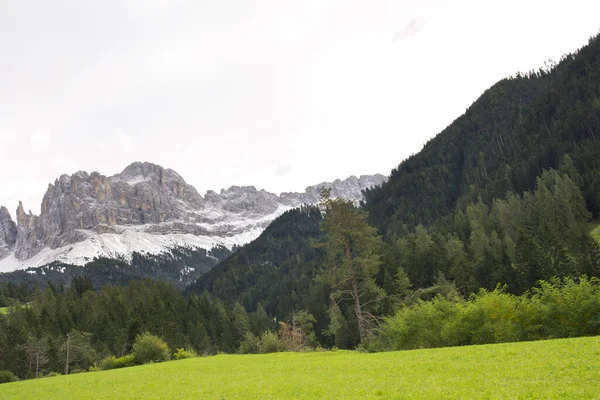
353,259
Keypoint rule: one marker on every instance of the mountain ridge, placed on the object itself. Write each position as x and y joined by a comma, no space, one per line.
146,209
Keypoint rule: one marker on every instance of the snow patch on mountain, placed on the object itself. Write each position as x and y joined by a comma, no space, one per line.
135,180
122,246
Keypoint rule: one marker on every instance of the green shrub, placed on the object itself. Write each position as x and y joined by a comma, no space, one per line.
149,348
372,343
250,344
7,376
555,309
269,343
182,354
112,362
421,325
570,308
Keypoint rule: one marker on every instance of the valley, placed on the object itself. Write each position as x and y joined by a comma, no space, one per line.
471,271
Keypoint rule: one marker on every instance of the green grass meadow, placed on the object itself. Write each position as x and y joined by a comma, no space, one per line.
553,369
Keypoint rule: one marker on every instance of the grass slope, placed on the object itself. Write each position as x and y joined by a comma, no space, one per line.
565,369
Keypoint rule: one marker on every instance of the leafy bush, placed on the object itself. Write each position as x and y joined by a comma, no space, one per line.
555,309
269,343
7,376
298,334
372,343
112,362
149,348
421,325
568,308
182,354
250,344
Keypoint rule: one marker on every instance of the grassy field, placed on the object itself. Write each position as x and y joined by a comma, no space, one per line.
561,369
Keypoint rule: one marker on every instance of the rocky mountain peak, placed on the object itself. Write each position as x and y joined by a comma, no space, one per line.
24,219
8,232
4,214
145,208
145,171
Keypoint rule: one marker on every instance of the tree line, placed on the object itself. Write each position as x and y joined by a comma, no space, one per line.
78,326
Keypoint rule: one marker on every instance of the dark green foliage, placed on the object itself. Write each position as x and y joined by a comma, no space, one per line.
11,293
150,348
273,263
353,252
481,204
34,337
515,130
274,275
7,376
514,241
250,344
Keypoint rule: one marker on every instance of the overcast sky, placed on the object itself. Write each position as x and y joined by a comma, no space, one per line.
276,94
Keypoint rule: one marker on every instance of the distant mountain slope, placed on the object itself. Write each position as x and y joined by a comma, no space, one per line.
517,128
179,266
145,209
277,269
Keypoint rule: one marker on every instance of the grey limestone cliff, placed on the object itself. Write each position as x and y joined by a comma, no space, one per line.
149,198
8,232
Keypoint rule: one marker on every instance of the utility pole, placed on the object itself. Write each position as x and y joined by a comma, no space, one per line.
67,363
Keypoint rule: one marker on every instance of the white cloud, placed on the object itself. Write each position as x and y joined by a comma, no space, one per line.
39,139
125,140
413,28
283,169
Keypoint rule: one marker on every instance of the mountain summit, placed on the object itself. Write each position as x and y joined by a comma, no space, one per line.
148,209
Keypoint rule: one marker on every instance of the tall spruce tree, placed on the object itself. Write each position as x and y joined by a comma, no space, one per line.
353,258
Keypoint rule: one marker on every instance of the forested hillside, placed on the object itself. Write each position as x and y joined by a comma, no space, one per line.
503,195
277,270
516,129
105,322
